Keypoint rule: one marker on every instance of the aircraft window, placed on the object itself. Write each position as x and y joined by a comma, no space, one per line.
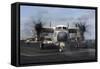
54,34
72,31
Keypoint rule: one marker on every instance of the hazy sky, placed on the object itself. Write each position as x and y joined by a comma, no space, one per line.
57,16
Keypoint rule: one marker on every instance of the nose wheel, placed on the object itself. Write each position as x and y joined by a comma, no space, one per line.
60,50
61,46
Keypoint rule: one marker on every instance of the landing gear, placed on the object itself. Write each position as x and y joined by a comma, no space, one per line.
60,50
41,46
61,46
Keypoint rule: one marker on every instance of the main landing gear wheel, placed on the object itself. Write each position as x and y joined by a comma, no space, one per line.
41,46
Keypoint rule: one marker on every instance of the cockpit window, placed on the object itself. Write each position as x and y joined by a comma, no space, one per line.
61,28
64,28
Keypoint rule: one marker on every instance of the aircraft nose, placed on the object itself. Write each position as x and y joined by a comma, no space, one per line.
62,36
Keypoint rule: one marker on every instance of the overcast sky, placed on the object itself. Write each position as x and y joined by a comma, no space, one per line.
57,16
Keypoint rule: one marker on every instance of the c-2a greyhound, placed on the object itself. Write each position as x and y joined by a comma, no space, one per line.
59,36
